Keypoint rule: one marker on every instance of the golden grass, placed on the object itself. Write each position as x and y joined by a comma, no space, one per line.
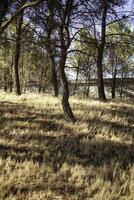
43,157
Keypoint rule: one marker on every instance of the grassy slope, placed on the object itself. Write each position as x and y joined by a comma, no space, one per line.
44,157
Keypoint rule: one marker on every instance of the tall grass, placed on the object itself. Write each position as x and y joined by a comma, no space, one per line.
43,157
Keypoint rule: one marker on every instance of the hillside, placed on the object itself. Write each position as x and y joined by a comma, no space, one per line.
43,157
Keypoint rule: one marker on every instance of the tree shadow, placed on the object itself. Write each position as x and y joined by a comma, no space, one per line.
55,150
71,150
47,142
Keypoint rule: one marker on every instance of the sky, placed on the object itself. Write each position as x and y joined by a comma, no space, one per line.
130,7
130,4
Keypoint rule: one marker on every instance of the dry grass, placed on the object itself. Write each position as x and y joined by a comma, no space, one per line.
43,157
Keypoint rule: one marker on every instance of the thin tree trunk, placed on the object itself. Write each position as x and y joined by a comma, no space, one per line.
121,85
51,48
114,83
54,76
25,87
5,82
76,81
101,91
17,54
3,9
85,87
44,89
41,80
11,71
88,84
53,66
22,72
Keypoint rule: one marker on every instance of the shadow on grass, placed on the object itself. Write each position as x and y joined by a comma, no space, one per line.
56,150
59,150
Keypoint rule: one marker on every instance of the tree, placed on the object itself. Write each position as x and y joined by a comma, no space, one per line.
17,52
101,13
119,49
44,18
64,11
85,58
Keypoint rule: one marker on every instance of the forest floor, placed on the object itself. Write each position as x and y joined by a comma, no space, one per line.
43,157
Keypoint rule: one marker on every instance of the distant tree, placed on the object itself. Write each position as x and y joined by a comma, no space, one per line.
120,50
85,57
100,14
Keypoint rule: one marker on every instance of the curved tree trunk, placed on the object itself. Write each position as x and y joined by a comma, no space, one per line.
69,116
64,44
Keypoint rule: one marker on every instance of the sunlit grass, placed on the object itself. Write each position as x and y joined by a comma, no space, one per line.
44,157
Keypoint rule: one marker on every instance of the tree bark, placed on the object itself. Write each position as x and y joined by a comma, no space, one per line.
69,116
101,91
17,54
64,43
11,71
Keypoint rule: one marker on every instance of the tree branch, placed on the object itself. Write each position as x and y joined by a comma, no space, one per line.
21,9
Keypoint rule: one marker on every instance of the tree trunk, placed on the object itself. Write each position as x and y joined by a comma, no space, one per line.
25,87
101,91
44,89
5,82
88,84
11,71
76,80
114,83
53,66
122,82
69,116
17,53
40,88
54,76
51,48
65,41
3,9
41,80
